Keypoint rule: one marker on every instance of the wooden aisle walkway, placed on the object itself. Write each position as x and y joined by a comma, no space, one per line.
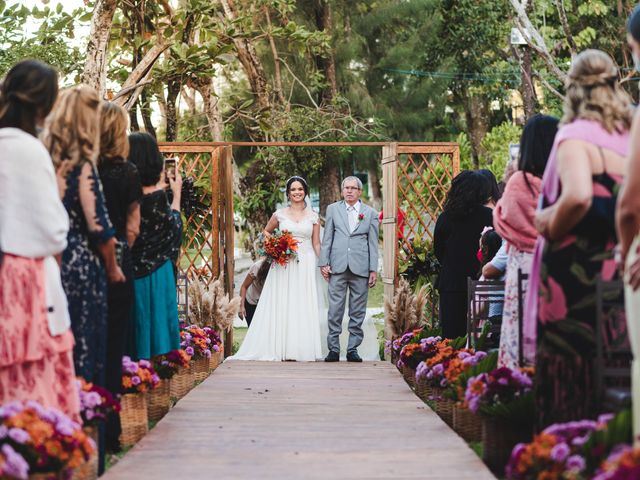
301,421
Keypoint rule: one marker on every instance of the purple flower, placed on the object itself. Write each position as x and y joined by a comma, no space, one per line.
135,380
155,378
216,348
15,466
438,369
560,452
144,363
576,463
189,351
580,441
207,353
605,418
18,435
131,368
92,399
3,431
65,426
463,355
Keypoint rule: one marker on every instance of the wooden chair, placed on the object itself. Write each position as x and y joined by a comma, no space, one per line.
613,352
482,297
523,279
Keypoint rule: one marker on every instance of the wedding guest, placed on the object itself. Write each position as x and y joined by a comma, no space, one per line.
252,288
455,240
628,225
36,343
513,219
155,328
122,191
72,137
579,191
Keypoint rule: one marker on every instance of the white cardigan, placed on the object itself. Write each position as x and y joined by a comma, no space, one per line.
33,220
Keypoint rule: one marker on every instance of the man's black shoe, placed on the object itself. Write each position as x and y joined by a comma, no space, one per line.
332,357
353,357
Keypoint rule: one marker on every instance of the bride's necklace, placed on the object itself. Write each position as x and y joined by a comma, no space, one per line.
296,212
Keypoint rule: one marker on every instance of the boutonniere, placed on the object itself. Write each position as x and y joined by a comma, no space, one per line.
361,217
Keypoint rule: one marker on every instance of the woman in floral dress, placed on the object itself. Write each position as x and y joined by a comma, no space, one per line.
513,220
579,190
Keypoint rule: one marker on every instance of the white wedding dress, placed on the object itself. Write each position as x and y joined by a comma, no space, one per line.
286,323
290,321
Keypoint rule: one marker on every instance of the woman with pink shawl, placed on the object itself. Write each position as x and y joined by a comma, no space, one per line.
513,219
579,190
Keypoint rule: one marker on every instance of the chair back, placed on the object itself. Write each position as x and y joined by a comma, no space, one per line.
182,296
485,299
613,351
523,282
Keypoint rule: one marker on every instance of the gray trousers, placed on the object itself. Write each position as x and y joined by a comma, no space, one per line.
357,288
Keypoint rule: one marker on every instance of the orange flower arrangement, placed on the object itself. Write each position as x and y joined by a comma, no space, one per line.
44,439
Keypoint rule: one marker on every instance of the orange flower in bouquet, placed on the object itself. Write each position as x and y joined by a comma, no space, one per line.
279,248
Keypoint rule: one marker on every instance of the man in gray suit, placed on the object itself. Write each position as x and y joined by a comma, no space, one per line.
349,261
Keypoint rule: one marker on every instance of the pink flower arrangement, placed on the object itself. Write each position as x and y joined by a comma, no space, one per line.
138,377
622,464
199,342
34,439
498,388
96,403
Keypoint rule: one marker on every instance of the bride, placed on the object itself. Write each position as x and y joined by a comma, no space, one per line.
290,321
286,323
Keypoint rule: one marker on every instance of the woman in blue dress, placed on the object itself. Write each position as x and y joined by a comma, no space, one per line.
155,328
71,136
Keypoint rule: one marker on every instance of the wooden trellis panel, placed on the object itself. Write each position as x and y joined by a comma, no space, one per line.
202,255
424,174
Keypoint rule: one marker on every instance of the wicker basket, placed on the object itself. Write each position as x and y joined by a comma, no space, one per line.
158,401
409,375
200,369
181,383
467,424
443,406
424,391
89,469
133,417
49,476
214,361
499,436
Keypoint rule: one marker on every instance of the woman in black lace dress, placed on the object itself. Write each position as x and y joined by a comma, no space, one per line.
89,260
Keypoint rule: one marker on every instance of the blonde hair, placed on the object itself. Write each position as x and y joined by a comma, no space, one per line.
114,142
72,130
594,93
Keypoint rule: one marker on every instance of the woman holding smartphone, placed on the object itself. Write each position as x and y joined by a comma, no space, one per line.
155,327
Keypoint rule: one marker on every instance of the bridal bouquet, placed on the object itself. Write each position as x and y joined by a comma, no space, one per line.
280,248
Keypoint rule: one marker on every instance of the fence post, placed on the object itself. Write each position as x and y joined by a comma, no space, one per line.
389,221
227,233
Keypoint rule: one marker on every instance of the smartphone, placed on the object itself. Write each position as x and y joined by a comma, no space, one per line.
170,168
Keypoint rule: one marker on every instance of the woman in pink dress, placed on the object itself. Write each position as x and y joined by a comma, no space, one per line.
36,343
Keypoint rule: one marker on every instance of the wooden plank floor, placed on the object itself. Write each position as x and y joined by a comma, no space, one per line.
290,420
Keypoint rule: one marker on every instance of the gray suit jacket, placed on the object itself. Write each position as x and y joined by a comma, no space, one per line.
342,249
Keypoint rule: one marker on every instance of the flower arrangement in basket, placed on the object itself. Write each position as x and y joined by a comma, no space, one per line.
622,464
503,392
579,450
34,439
216,341
279,248
138,377
168,364
195,341
437,353
96,403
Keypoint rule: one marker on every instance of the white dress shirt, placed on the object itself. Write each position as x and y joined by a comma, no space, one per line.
352,214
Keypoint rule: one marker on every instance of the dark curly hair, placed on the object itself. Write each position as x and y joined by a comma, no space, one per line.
469,190
144,154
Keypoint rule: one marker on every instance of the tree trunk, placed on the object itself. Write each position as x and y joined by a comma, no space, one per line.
330,174
375,189
527,87
133,118
145,109
211,109
477,118
173,90
276,61
95,67
250,61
